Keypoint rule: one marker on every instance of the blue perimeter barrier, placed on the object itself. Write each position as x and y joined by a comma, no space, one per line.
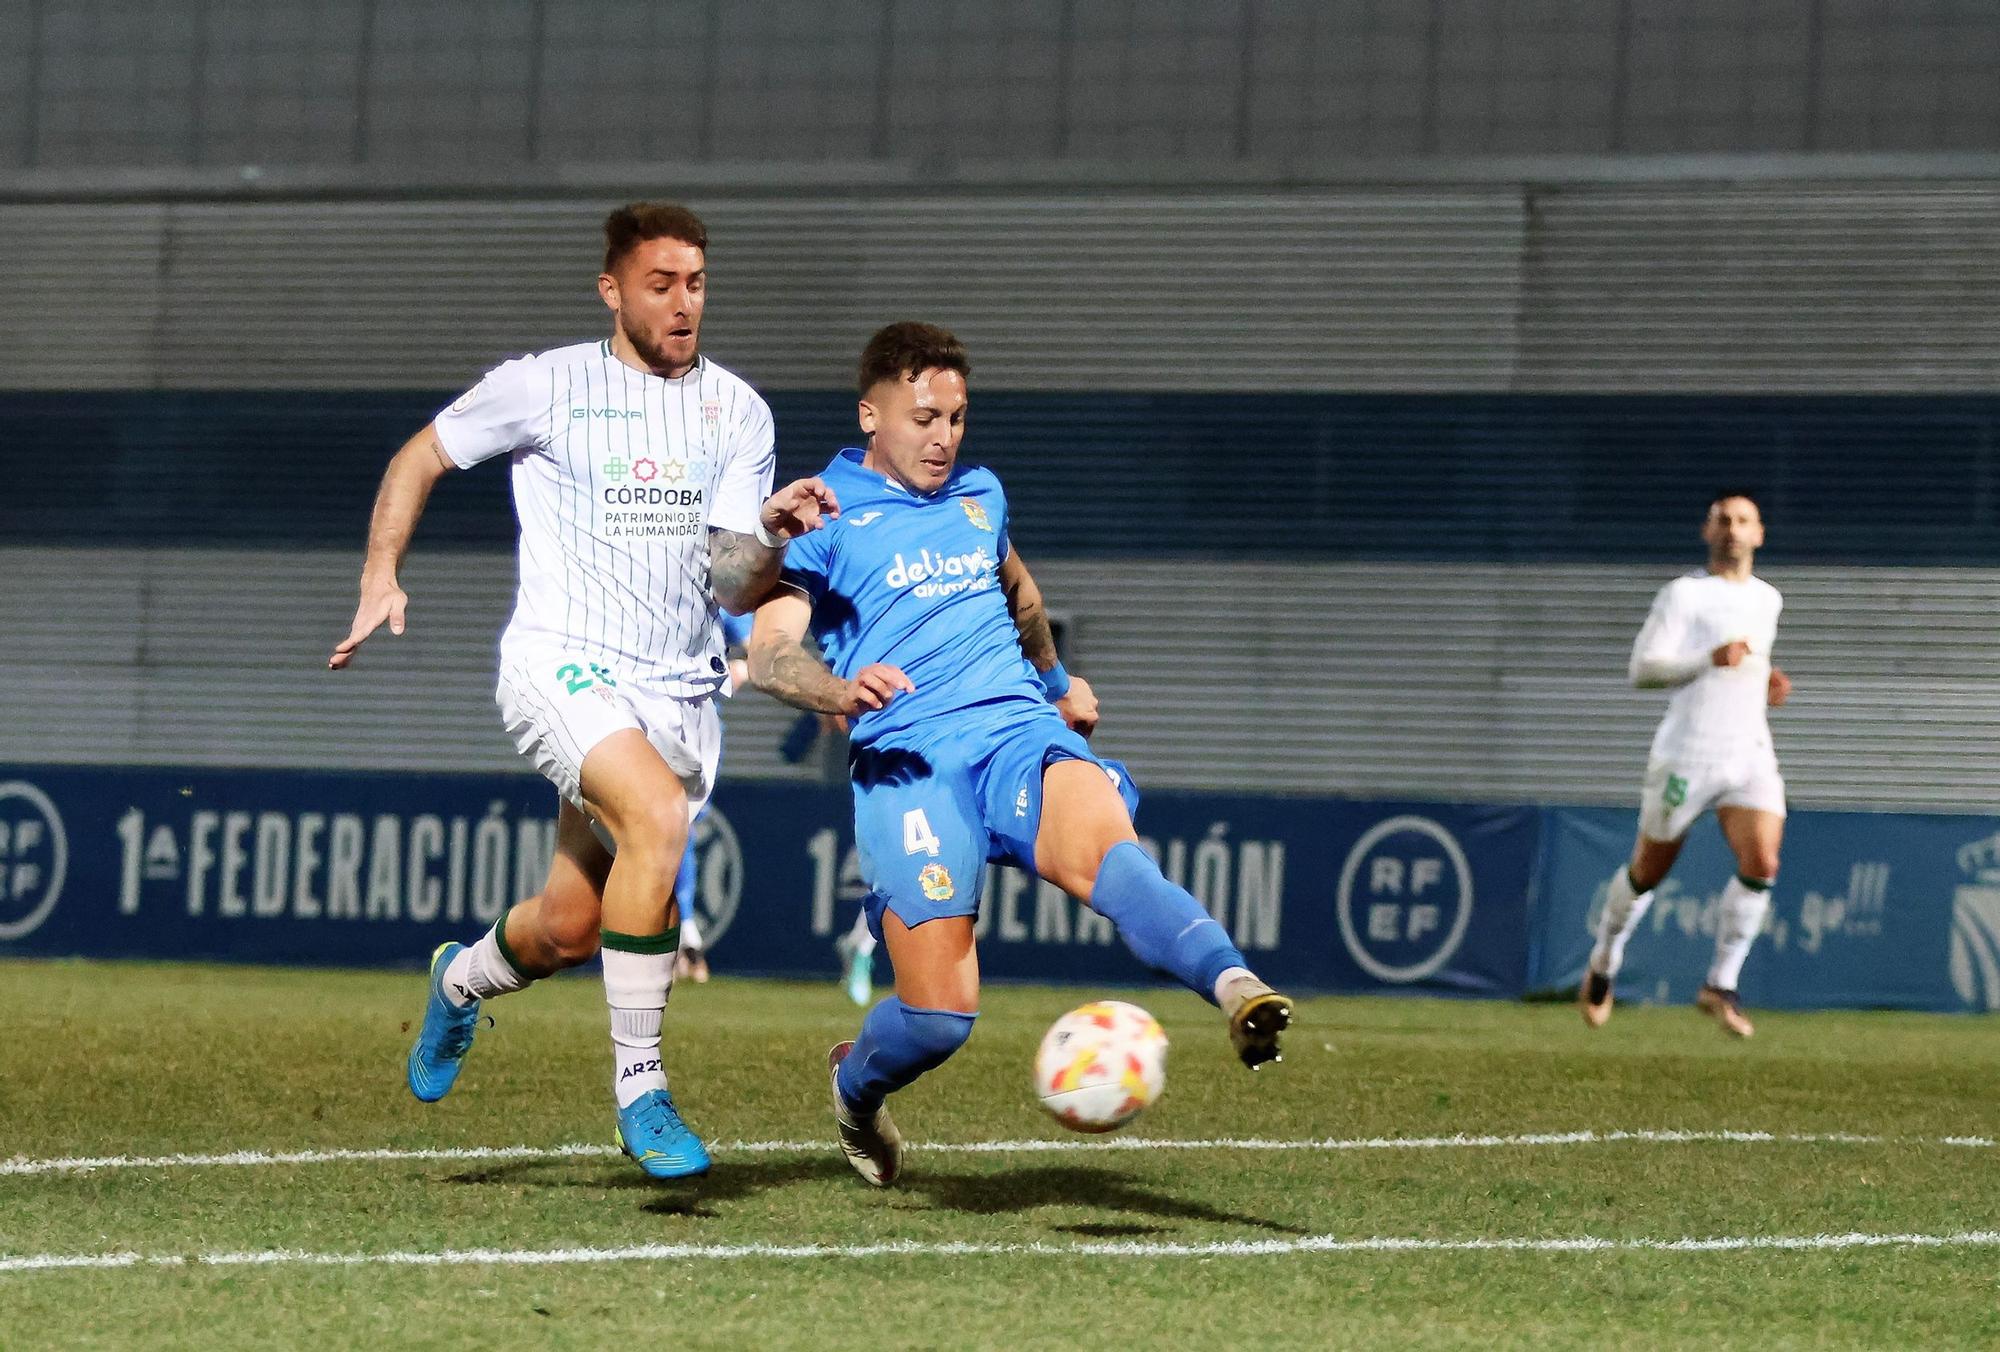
1886,910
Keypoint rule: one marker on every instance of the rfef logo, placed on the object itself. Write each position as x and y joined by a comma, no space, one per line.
34,855
1405,899
1975,926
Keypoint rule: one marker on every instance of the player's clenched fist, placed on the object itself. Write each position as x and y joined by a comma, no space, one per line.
1079,706
1780,688
799,508
874,686
1730,654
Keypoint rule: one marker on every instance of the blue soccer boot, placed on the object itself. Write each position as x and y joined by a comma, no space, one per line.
652,1133
446,1036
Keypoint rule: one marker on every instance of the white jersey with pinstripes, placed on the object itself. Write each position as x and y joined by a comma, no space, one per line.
618,475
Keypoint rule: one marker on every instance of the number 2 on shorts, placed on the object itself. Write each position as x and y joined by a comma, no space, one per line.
918,838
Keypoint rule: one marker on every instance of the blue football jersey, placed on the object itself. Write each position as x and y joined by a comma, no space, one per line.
913,580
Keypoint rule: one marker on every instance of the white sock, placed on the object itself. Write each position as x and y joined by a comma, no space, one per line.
1230,976
1737,920
1623,909
480,971
636,986
690,932
860,935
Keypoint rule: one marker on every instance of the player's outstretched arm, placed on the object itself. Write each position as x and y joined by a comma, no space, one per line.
743,568
781,667
406,487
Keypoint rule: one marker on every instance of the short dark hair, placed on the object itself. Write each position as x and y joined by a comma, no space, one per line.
901,350
1743,493
635,222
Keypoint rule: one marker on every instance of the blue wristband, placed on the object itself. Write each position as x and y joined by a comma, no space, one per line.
1055,682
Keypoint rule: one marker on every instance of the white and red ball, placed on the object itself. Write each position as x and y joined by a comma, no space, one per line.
1100,1065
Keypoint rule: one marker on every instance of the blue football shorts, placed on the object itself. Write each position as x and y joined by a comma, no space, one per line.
930,812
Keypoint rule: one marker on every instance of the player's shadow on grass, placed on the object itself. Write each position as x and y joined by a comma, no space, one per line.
1026,1189
728,1181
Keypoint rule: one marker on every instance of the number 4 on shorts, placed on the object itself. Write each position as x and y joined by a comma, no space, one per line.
918,838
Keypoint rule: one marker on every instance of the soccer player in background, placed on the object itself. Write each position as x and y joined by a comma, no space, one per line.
642,480
855,948
1708,639
967,739
691,962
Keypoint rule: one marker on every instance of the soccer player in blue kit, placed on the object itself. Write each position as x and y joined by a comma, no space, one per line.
967,740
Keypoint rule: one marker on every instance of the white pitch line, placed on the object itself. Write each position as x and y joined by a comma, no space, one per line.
1030,1146
87,1164
262,1158
1256,1248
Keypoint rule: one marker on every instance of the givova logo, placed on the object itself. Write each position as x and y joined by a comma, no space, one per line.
34,855
1975,926
718,874
1405,899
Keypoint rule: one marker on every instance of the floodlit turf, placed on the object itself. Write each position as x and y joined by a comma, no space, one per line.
143,1061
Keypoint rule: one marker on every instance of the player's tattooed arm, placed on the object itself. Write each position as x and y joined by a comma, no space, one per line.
1031,618
741,568
1075,700
781,666
790,673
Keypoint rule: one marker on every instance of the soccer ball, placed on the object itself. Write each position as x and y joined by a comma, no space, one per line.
1100,1064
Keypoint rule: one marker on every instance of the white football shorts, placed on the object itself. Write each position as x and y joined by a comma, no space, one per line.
557,705
1674,795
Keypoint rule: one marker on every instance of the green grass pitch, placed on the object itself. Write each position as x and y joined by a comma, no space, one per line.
1879,1125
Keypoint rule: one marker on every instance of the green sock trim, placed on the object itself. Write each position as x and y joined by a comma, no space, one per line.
500,942
670,942
1756,884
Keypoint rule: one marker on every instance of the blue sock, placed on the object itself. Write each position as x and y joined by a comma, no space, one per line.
1163,925
897,1044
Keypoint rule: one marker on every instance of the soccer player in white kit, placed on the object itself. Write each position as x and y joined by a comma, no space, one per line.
1709,640
642,480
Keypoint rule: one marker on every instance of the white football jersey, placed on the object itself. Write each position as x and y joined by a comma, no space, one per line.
1719,715
618,475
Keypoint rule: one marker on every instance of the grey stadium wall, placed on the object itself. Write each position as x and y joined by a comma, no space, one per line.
1448,680
1584,287
1501,683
